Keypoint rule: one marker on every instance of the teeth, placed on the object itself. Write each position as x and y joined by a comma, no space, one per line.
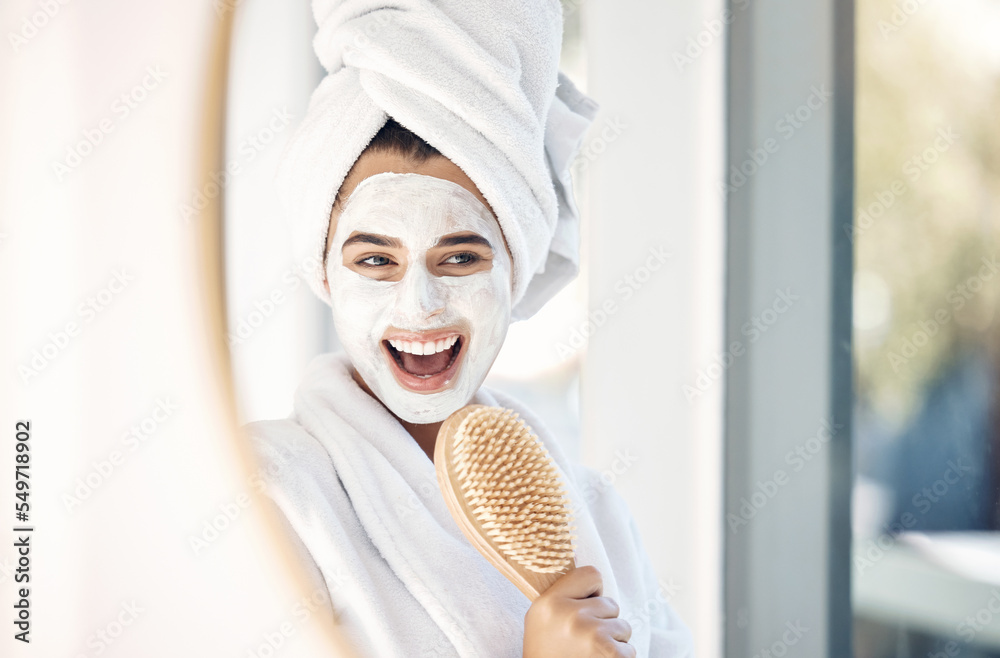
416,347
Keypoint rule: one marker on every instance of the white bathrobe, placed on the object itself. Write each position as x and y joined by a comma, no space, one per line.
362,500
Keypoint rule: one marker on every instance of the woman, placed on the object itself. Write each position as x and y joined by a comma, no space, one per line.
434,237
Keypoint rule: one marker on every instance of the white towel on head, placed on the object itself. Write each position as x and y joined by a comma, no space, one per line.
364,503
479,81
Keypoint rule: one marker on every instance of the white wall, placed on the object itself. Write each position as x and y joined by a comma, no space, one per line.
653,185
276,322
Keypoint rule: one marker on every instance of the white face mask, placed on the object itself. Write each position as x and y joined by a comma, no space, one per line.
445,330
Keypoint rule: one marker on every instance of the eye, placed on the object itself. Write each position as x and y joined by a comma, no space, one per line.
376,260
464,258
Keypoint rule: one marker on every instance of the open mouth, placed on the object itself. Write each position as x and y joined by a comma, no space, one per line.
425,366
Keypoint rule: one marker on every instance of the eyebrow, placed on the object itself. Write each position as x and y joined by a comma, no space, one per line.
372,238
454,240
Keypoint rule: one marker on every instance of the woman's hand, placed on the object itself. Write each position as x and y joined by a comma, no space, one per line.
572,620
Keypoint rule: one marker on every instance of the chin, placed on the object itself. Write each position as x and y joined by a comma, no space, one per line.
425,408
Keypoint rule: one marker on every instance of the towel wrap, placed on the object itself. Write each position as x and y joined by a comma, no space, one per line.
479,81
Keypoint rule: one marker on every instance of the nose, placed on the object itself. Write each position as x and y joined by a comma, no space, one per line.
421,294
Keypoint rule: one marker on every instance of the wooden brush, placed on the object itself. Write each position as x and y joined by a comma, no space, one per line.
506,495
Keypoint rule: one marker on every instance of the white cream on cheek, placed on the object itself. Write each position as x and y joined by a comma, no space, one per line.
419,210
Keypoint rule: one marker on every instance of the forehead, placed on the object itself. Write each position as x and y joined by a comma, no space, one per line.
414,205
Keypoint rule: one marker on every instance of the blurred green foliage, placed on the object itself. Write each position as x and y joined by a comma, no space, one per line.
918,78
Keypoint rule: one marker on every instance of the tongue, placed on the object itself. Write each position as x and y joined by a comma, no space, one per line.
430,364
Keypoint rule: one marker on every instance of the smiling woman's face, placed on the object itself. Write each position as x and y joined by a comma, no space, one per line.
420,285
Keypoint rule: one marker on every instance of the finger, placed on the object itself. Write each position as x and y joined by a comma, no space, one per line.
580,583
601,607
613,649
619,629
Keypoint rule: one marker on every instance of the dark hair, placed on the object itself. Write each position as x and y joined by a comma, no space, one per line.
394,138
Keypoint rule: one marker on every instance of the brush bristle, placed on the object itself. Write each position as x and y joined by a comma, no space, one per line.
514,490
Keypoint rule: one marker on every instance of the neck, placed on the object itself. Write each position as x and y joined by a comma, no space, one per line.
424,434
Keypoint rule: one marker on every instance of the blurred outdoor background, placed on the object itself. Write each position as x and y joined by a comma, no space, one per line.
926,329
